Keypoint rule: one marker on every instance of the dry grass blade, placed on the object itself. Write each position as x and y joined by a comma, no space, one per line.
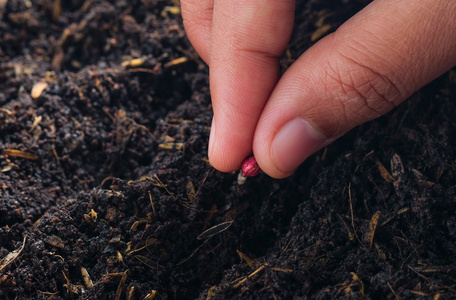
176,61
244,279
175,10
384,173
247,259
149,242
121,284
372,227
19,153
151,201
214,230
12,256
86,277
54,241
136,62
151,295
191,194
193,253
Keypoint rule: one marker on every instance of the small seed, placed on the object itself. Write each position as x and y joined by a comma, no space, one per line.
250,167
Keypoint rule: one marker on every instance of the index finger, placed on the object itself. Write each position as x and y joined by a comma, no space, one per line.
246,41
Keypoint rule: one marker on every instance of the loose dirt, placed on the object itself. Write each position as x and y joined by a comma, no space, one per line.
106,191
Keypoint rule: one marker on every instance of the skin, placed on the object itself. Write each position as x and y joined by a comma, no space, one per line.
371,64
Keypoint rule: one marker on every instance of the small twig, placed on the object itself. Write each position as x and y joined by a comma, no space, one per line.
351,206
394,293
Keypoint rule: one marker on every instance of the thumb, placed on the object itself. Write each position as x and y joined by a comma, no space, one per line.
368,66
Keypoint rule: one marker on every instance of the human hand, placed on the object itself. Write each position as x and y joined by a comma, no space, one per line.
372,63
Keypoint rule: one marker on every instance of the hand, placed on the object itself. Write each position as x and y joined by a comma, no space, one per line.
369,65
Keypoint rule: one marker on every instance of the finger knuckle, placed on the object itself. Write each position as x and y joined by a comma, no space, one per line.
363,93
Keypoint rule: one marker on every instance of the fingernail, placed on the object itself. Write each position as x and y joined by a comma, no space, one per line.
211,138
294,143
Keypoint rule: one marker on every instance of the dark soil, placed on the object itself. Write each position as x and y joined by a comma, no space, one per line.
106,191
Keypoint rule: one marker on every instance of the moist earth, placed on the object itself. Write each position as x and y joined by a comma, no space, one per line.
106,191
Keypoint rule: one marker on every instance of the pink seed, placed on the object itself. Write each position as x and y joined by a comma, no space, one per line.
250,167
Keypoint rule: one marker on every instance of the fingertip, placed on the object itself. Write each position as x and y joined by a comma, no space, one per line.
225,160
227,151
295,141
292,144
